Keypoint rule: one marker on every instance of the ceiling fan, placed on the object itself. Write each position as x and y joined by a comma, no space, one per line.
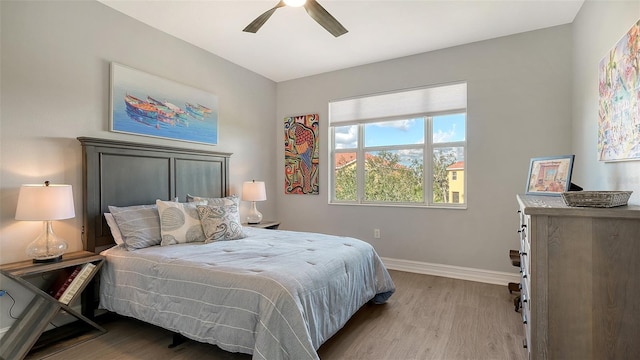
315,10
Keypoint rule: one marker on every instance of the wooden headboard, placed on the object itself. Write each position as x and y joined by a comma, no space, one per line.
122,173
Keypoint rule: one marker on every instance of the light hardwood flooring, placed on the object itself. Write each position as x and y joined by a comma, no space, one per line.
428,317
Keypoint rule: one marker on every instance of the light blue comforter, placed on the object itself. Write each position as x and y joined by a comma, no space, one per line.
275,294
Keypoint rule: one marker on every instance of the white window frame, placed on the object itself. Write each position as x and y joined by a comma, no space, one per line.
425,102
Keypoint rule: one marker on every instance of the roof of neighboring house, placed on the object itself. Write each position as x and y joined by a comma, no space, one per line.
459,165
344,159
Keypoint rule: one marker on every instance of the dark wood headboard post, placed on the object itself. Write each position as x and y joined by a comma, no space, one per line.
123,173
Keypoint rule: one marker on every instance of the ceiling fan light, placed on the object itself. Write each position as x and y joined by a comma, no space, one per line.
295,3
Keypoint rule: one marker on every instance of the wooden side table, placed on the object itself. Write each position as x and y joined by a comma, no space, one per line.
27,330
266,224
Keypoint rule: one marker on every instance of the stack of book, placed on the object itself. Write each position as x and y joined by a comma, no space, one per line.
74,282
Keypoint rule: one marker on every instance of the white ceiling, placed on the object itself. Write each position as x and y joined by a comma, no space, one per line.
292,45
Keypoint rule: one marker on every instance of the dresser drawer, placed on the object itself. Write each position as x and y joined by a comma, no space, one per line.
526,343
525,297
526,315
525,259
524,268
525,279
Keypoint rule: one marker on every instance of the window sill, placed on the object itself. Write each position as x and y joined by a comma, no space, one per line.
446,207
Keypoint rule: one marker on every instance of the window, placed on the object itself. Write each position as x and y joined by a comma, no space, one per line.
403,148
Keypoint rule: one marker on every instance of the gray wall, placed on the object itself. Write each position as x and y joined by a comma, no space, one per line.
55,87
596,30
519,106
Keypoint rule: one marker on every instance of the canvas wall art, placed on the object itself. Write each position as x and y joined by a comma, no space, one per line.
148,105
301,154
619,108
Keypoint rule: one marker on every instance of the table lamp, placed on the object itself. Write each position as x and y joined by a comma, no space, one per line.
254,191
46,202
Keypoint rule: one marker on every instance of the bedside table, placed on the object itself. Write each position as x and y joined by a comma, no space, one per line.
266,224
26,331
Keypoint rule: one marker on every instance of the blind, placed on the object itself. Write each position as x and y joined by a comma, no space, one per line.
414,101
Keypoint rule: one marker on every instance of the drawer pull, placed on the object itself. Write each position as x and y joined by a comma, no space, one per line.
524,343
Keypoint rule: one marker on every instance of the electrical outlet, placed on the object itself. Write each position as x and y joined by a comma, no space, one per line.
376,233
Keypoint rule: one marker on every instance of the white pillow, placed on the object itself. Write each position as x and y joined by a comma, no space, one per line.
115,230
179,222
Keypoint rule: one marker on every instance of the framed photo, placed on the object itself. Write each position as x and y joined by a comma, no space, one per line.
550,175
148,105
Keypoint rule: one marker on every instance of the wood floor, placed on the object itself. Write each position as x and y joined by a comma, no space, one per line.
428,317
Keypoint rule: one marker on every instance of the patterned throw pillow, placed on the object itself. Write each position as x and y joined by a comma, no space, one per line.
179,222
139,225
229,200
220,222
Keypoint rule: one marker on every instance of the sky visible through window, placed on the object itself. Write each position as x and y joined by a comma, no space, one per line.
446,128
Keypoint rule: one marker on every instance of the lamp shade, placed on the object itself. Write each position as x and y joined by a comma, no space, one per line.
254,191
45,202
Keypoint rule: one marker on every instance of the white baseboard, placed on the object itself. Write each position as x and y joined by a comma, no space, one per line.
456,272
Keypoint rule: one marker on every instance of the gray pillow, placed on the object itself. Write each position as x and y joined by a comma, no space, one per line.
139,225
220,222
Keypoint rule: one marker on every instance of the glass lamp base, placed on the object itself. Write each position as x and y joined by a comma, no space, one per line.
254,216
47,247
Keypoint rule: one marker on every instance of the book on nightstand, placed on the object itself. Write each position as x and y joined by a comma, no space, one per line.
63,283
76,283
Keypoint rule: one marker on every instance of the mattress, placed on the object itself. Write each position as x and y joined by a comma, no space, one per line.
274,294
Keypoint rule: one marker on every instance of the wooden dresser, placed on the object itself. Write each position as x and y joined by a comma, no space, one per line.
580,280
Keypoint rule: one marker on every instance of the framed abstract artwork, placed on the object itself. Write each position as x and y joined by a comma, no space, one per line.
148,105
550,175
301,154
619,101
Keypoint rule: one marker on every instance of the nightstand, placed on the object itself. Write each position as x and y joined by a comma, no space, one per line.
25,333
271,225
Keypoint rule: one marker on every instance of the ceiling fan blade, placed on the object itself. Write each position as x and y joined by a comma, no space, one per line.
322,17
260,20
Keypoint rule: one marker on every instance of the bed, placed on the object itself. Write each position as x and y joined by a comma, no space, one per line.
271,293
